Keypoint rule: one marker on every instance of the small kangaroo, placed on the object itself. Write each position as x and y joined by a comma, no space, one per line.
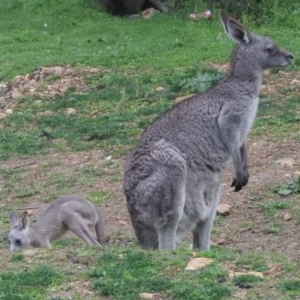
172,179
70,212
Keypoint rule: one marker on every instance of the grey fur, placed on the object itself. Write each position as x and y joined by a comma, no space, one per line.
172,179
70,212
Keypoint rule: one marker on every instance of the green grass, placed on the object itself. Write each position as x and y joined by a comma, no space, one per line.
28,284
127,273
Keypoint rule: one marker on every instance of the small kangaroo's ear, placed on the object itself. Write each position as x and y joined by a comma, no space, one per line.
25,220
235,29
14,220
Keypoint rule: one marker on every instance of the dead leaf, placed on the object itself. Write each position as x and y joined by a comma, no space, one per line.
223,209
274,269
198,263
182,98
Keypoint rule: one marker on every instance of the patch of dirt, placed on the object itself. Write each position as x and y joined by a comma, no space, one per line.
264,174
45,82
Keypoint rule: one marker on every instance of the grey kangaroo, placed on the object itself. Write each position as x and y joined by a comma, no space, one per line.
70,212
172,178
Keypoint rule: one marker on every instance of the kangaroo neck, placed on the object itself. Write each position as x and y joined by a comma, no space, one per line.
248,74
34,236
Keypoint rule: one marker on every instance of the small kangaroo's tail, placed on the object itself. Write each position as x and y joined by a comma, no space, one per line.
100,229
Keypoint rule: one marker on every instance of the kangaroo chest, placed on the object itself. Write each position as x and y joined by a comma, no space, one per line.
249,119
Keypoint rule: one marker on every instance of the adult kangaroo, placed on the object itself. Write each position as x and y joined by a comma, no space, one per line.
172,179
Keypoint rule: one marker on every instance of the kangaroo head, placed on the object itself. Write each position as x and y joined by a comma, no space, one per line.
255,51
18,235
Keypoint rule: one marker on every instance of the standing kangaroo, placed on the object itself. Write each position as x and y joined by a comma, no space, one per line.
172,179
70,212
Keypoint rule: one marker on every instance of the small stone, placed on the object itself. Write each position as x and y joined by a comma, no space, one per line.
58,71
287,217
286,162
198,263
295,82
29,212
287,176
297,173
223,209
70,110
159,89
108,157
2,116
9,111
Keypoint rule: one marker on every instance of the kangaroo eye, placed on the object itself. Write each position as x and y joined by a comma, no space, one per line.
18,241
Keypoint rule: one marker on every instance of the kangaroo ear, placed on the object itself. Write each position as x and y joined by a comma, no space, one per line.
234,29
14,220
25,220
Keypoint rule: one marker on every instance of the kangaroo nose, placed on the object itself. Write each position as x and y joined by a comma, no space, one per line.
291,56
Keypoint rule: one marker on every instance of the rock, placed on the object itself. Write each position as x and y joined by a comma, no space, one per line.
182,98
29,212
70,110
108,157
198,263
286,162
3,89
2,116
9,111
287,176
295,82
223,209
297,173
159,89
287,217
58,71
